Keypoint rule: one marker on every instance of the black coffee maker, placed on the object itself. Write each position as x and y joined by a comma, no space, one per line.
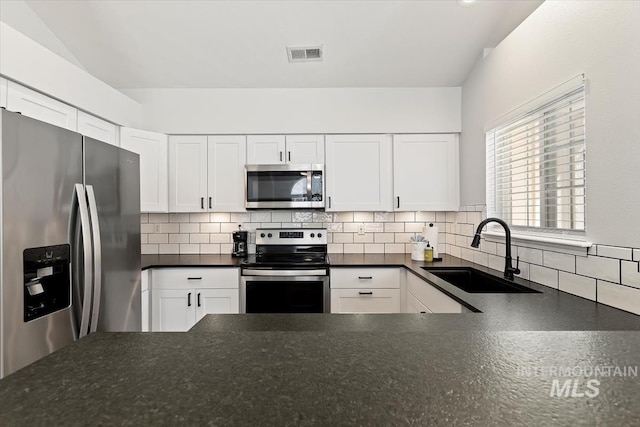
240,243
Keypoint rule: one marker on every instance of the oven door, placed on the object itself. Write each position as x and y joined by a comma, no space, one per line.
284,291
284,186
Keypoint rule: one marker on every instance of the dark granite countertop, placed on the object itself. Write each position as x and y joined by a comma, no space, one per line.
479,378
174,260
549,310
496,367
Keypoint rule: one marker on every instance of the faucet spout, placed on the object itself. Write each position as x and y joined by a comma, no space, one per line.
509,270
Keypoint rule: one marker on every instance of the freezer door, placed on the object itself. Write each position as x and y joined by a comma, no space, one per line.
41,164
112,174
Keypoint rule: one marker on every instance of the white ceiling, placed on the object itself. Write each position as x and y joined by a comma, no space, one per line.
242,44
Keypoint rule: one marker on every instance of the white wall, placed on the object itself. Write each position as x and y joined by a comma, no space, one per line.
32,65
558,41
321,110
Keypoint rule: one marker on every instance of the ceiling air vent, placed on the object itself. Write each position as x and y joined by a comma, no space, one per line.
308,53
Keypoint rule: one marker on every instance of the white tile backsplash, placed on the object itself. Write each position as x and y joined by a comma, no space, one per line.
615,252
582,286
543,275
598,267
560,261
630,275
533,256
611,270
623,297
199,217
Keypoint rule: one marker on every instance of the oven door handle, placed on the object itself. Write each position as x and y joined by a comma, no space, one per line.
282,273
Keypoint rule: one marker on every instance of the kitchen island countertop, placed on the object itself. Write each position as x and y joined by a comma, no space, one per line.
330,378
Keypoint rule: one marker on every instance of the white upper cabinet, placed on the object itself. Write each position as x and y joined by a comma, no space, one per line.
38,106
280,149
188,173
99,129
3,93
425,172
154,183
206,173
227,158
304,149
265,149
358,173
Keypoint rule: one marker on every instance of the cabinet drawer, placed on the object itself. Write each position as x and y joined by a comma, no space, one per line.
195,278
365,278
432,298
370,300
415,306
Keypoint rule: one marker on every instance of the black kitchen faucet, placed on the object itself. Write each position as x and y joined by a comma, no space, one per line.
509,271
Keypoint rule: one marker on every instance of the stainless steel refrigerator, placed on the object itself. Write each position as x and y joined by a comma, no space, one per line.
70,218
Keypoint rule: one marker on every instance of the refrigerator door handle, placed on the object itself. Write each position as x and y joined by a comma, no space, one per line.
97,257
88,261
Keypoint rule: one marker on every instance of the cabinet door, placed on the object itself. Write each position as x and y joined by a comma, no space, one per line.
265,149
188,173
414,305
227,158
432,298
38,106
144,300
365,300
99,129
154,183
216,301
3,93
358,173
425,172
305,149
172,310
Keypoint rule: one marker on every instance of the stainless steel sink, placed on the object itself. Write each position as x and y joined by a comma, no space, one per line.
475,281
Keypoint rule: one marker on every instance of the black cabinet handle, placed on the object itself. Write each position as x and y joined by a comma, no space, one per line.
366,293
398,201
194,278
201,202
289,155
198,299
189,299
281,156
209,202
365,277
329,201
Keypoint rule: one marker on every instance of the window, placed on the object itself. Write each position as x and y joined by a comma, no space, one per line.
536,166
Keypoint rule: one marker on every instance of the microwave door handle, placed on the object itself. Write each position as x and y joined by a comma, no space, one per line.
309,193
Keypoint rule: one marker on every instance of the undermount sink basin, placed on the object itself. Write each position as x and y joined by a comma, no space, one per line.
476,282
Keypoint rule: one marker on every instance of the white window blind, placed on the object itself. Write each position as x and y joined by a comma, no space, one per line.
536,166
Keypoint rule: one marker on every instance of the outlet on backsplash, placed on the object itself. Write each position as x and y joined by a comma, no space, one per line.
156,228
361,229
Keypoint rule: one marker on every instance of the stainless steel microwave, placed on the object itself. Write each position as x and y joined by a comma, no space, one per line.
284,186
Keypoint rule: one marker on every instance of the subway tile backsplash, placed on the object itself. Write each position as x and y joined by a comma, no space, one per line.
607,274
210,233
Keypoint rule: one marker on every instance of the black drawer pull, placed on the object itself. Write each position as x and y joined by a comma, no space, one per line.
366,293
194,278
365,277
423,312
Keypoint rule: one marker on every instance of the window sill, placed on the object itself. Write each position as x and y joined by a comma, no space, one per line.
568,246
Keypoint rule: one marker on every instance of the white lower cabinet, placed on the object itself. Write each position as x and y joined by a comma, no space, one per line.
144,300
421,296
365,290
180,297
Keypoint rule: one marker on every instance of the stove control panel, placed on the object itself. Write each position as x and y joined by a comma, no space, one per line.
296,236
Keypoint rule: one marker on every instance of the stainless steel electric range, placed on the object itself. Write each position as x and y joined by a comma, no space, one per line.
289,272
